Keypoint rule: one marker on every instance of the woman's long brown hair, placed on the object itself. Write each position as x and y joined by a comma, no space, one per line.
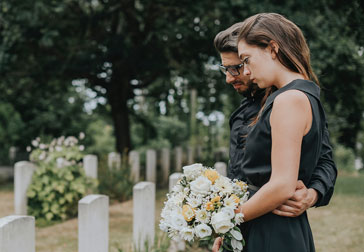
263,28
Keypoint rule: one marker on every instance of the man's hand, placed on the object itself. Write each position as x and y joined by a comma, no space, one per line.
217,244
302,199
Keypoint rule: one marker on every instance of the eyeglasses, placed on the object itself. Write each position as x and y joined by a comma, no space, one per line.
233,70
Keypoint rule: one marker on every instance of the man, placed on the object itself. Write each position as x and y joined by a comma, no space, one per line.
322,183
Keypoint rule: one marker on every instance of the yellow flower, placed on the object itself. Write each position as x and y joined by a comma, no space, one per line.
188,212
215,199
242,185
212,175
210,206
235,198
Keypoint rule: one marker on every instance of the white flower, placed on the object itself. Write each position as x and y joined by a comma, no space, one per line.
229,211
194,201
178,198
60,162
59,148
42,156
201,185
187,233
221,222
192,171
229,202
81,148
177,188
178,222
237,245
224,185
29,148
244,198
163,226
202,216
81,136
203,230
42,146
239,218
35,143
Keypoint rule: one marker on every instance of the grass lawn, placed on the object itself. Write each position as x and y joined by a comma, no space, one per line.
338,227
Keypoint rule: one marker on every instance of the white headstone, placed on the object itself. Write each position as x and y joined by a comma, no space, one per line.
134,162
93,224
165,164
143,215
178,245
190,155
173,179
17,234
151,170
221,168
178,158
90,165
23,172
114,161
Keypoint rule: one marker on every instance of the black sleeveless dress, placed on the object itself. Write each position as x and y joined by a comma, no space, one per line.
270,232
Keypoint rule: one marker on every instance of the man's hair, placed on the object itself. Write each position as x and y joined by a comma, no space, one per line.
227,40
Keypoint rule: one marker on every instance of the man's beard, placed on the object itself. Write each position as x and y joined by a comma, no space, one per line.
249,92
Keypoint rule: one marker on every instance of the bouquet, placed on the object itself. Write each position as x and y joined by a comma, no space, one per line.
201,207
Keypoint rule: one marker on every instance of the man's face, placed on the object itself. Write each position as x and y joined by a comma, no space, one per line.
241,83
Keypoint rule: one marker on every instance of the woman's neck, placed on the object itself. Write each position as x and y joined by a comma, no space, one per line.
286,77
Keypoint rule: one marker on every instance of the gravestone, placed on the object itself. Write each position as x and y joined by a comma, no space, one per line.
23,172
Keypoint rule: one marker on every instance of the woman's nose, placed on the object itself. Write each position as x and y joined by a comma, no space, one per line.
246,71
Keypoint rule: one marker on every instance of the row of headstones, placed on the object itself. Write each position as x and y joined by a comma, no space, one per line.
17,232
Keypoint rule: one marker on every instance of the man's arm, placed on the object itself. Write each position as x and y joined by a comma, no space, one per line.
321,185
324,175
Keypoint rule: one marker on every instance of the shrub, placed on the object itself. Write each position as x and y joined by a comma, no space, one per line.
59,181
344,158
116,183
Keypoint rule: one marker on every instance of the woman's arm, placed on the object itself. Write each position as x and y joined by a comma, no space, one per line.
290,120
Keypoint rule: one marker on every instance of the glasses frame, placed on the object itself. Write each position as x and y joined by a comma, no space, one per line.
225,69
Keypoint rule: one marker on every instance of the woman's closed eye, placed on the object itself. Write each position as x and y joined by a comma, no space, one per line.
245,61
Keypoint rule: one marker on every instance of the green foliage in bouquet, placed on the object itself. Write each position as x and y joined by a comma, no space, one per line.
59,181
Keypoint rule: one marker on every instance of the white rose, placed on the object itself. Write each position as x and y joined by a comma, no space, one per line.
203,230
201,185
221,222
229,211
194,201
192,171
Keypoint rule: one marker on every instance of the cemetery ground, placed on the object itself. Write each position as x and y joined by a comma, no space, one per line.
337,227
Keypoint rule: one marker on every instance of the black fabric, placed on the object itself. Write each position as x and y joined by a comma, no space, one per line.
239,122
270,232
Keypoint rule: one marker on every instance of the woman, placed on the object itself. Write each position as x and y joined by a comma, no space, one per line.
285,140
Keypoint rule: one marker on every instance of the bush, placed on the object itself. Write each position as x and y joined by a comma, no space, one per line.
344,158
59,181
116,183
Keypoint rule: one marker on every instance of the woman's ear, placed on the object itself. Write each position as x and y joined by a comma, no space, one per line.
274,49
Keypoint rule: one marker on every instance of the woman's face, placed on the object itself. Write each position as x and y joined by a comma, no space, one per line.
259,64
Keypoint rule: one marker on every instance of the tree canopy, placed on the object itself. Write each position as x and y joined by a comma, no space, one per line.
157,50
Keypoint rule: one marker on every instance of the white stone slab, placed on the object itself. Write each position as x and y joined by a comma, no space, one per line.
221,168
93,224
23,172
17,234
143,215
151,170
134,162
90,165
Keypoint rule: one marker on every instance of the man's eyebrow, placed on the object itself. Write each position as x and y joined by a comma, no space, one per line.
241,55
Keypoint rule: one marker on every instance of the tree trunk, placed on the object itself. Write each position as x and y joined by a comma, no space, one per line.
117,98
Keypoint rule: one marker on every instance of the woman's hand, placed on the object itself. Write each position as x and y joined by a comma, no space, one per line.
217,244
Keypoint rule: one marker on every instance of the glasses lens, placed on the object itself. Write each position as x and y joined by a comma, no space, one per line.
233,70
223,69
